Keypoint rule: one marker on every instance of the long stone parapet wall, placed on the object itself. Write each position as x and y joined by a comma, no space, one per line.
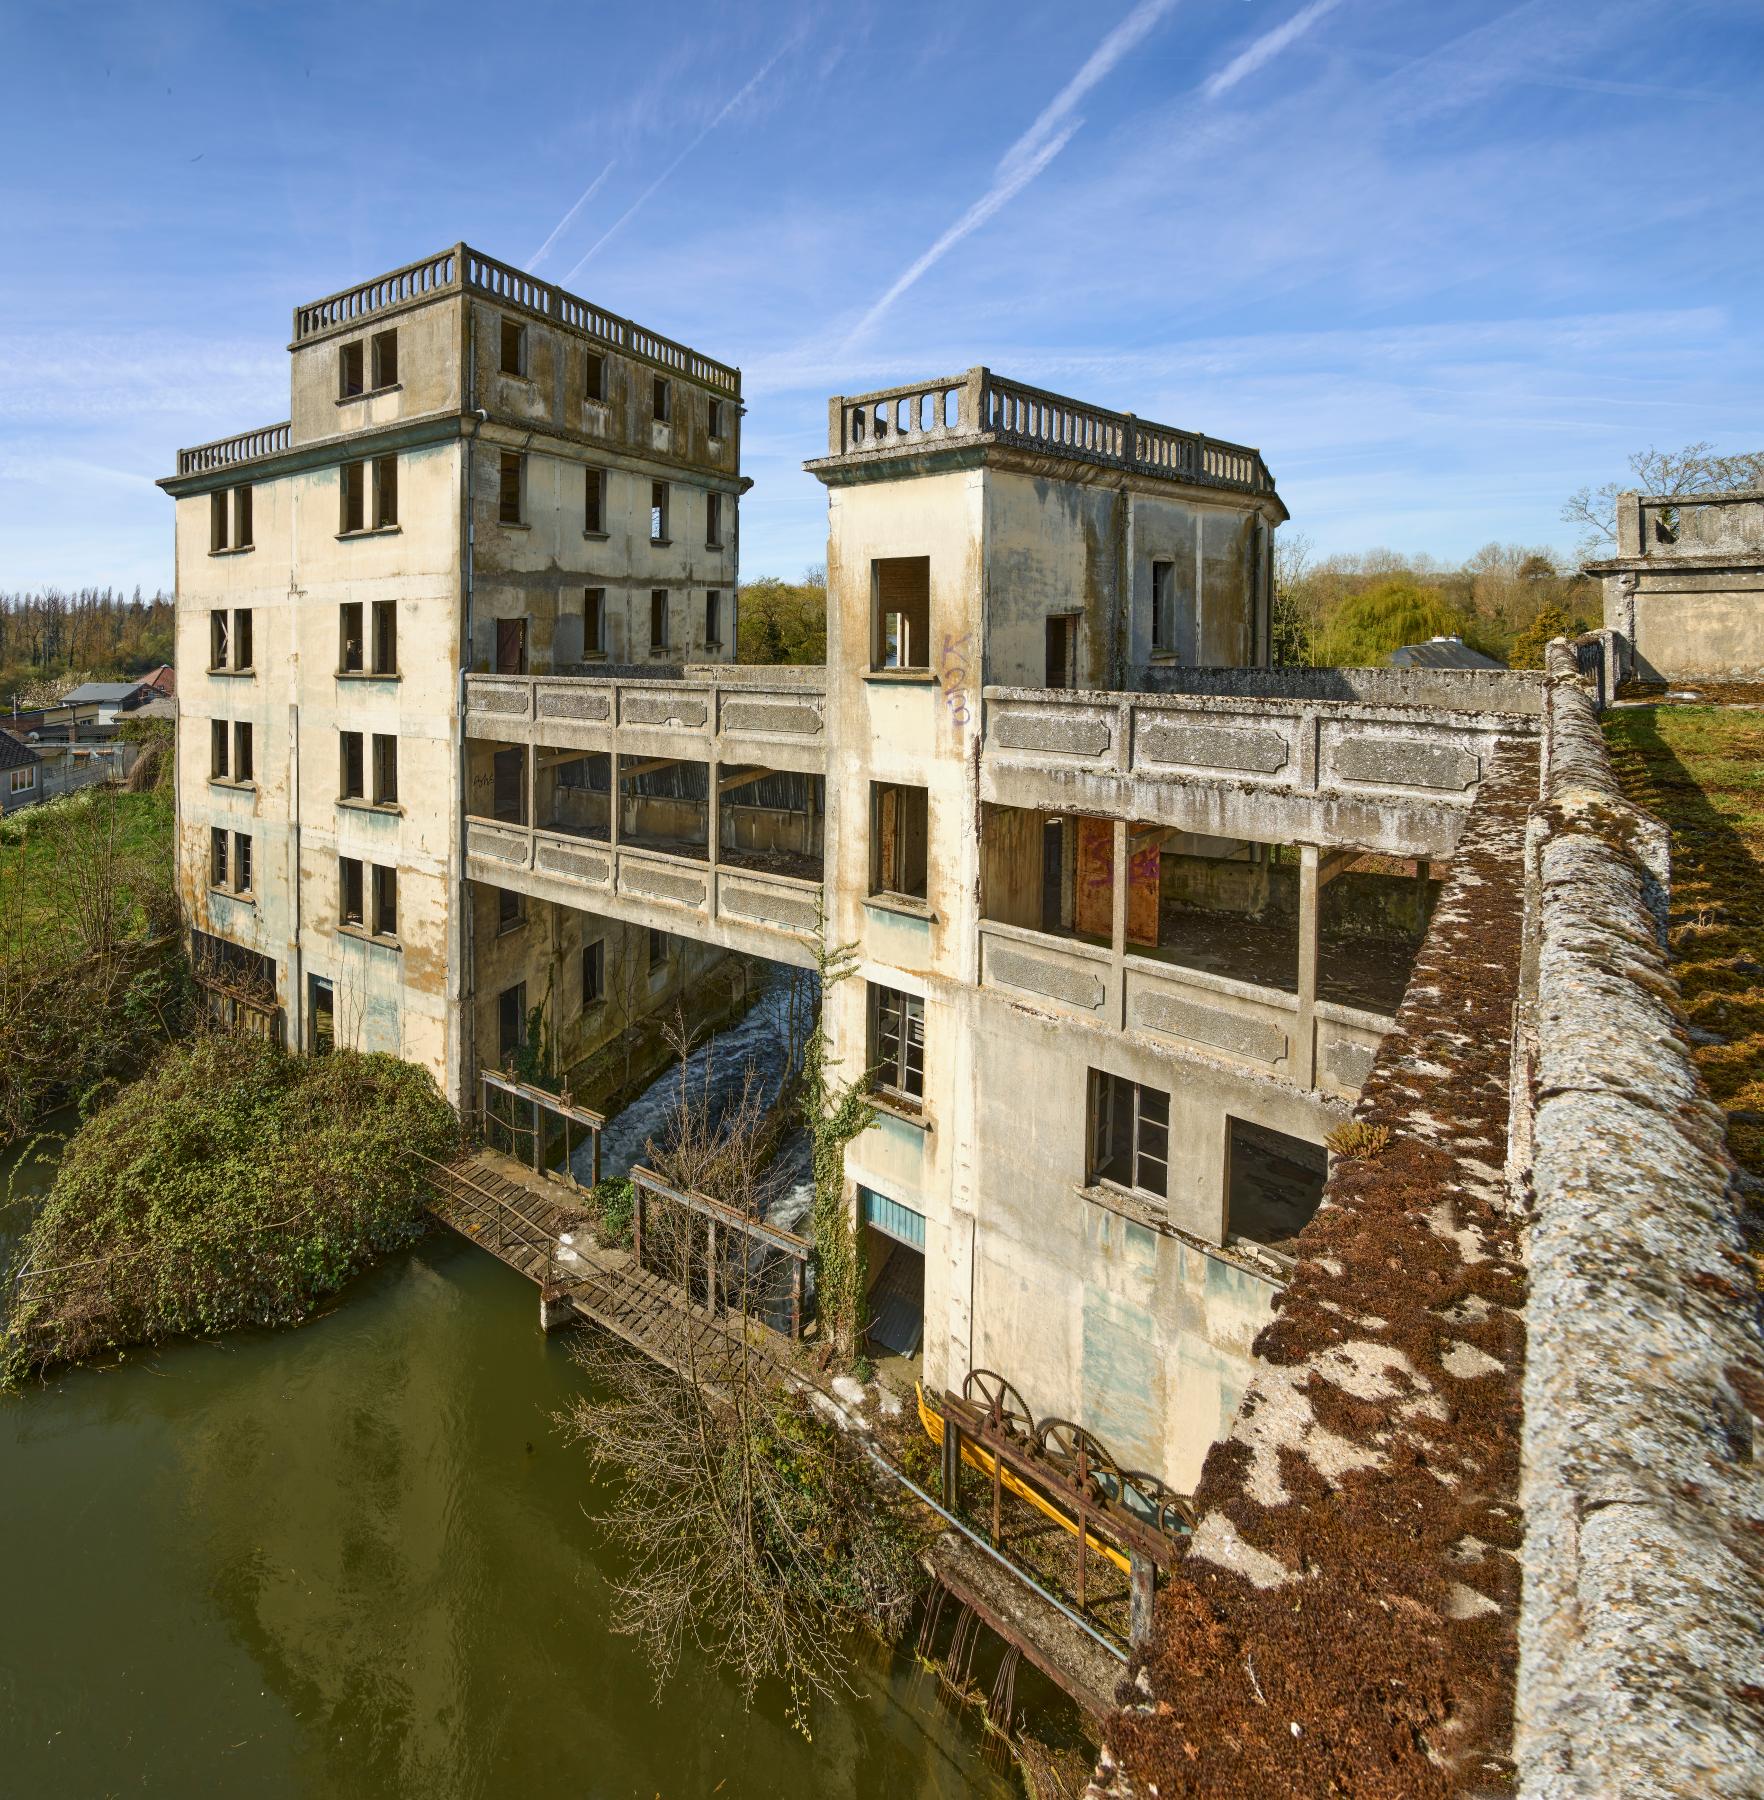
1641,1652
1515,691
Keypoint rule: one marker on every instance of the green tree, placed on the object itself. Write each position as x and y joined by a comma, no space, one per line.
1366,627
783,621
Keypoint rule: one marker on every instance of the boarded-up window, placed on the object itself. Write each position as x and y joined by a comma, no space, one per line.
511,646
901,611
900,824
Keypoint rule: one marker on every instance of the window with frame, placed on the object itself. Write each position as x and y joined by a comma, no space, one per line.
594,376
242,530
1163,607
900,600
352,499
1129,1134
385,492
509,911
351,649
218,761
661,399
219,639
385,359
658,512
594,621
385,637
713,521
23,780
385,884
658,618
594,502
217,857
385,769
594,972
349,765
899,839
217,521
349,890
242,649
351,363
243,770
513,346
715,415
241,863
510,488
897,1043
658,949
713,618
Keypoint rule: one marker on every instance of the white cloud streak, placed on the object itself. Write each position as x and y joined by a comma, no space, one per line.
1030,154
1267,47
557,231
728,107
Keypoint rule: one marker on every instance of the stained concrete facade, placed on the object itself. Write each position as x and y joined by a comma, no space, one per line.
1685,591
479,471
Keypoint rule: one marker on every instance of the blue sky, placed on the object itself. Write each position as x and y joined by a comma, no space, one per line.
1442,260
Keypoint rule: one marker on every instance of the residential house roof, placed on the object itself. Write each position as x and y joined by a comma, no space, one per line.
104,693
1441,653
16,755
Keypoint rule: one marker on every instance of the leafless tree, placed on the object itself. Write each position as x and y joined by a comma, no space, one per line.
1695,469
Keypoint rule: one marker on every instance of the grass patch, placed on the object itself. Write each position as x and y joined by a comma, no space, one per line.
1701,769
232,1185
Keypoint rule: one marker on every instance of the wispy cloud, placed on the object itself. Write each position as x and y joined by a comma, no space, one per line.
1267,47
1030,154
557,230
728,107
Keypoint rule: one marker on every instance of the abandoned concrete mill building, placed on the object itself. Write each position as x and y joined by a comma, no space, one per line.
1135,917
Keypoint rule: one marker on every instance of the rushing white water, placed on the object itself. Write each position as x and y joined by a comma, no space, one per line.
718,1067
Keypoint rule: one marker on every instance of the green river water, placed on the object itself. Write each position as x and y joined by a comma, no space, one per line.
357,1560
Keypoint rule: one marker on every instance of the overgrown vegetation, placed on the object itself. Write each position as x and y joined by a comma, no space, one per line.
51,640
233,1184
783,621
1701,769
92,977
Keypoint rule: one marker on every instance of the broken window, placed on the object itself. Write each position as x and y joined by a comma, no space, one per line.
241,637
352,514
1275,1184
511,646
514,347
217,750
385,359
713,619
511,1022
594,502
1062,650
900,589
510,486
1129,1134
594,621
385,901
658,619
349,785
593,972
349,371
350,648
713,521
897,1043
385,637
385,492
1163,606
323,1015
899,826
509,911
508,780
658,512
241,863
242,759
594,376
217,857
385,769
217,638
242,534
661,399
349,897
715,414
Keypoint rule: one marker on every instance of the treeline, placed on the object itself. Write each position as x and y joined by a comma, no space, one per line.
783,621
1508,601
53,637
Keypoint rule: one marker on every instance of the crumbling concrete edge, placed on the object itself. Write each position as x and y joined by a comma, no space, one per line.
1641,1661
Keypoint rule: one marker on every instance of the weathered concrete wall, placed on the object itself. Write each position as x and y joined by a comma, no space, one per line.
429,371
1640,1653
1508,691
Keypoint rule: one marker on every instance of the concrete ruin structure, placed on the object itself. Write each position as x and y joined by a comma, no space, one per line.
1684,595
1138,922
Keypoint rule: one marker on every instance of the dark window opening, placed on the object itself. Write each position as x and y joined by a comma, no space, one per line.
1163,604
217,857
593,973
1129,1134
217,520
241,863
350,648
661,399
242,531
322,1013
385,492
509,911
242,637
217,750
1062,650
514,347
385,637
713,521
658,512
900,838
217,639
715,414
1276,1183
509,485
897,1043
385,359
594,621
713,619
349,371
511,1022
349,897
509,786
658,949
349,774
385,901
385,769
901,612
594,376
594,500
242,759
658,619
353,512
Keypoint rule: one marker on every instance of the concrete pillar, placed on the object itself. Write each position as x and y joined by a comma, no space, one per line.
1629,529
714,828
555,1310
1118,928
1304,1049
612,827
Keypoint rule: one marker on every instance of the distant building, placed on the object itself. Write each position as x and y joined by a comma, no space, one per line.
109,698
163,680
1441,653
20,774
